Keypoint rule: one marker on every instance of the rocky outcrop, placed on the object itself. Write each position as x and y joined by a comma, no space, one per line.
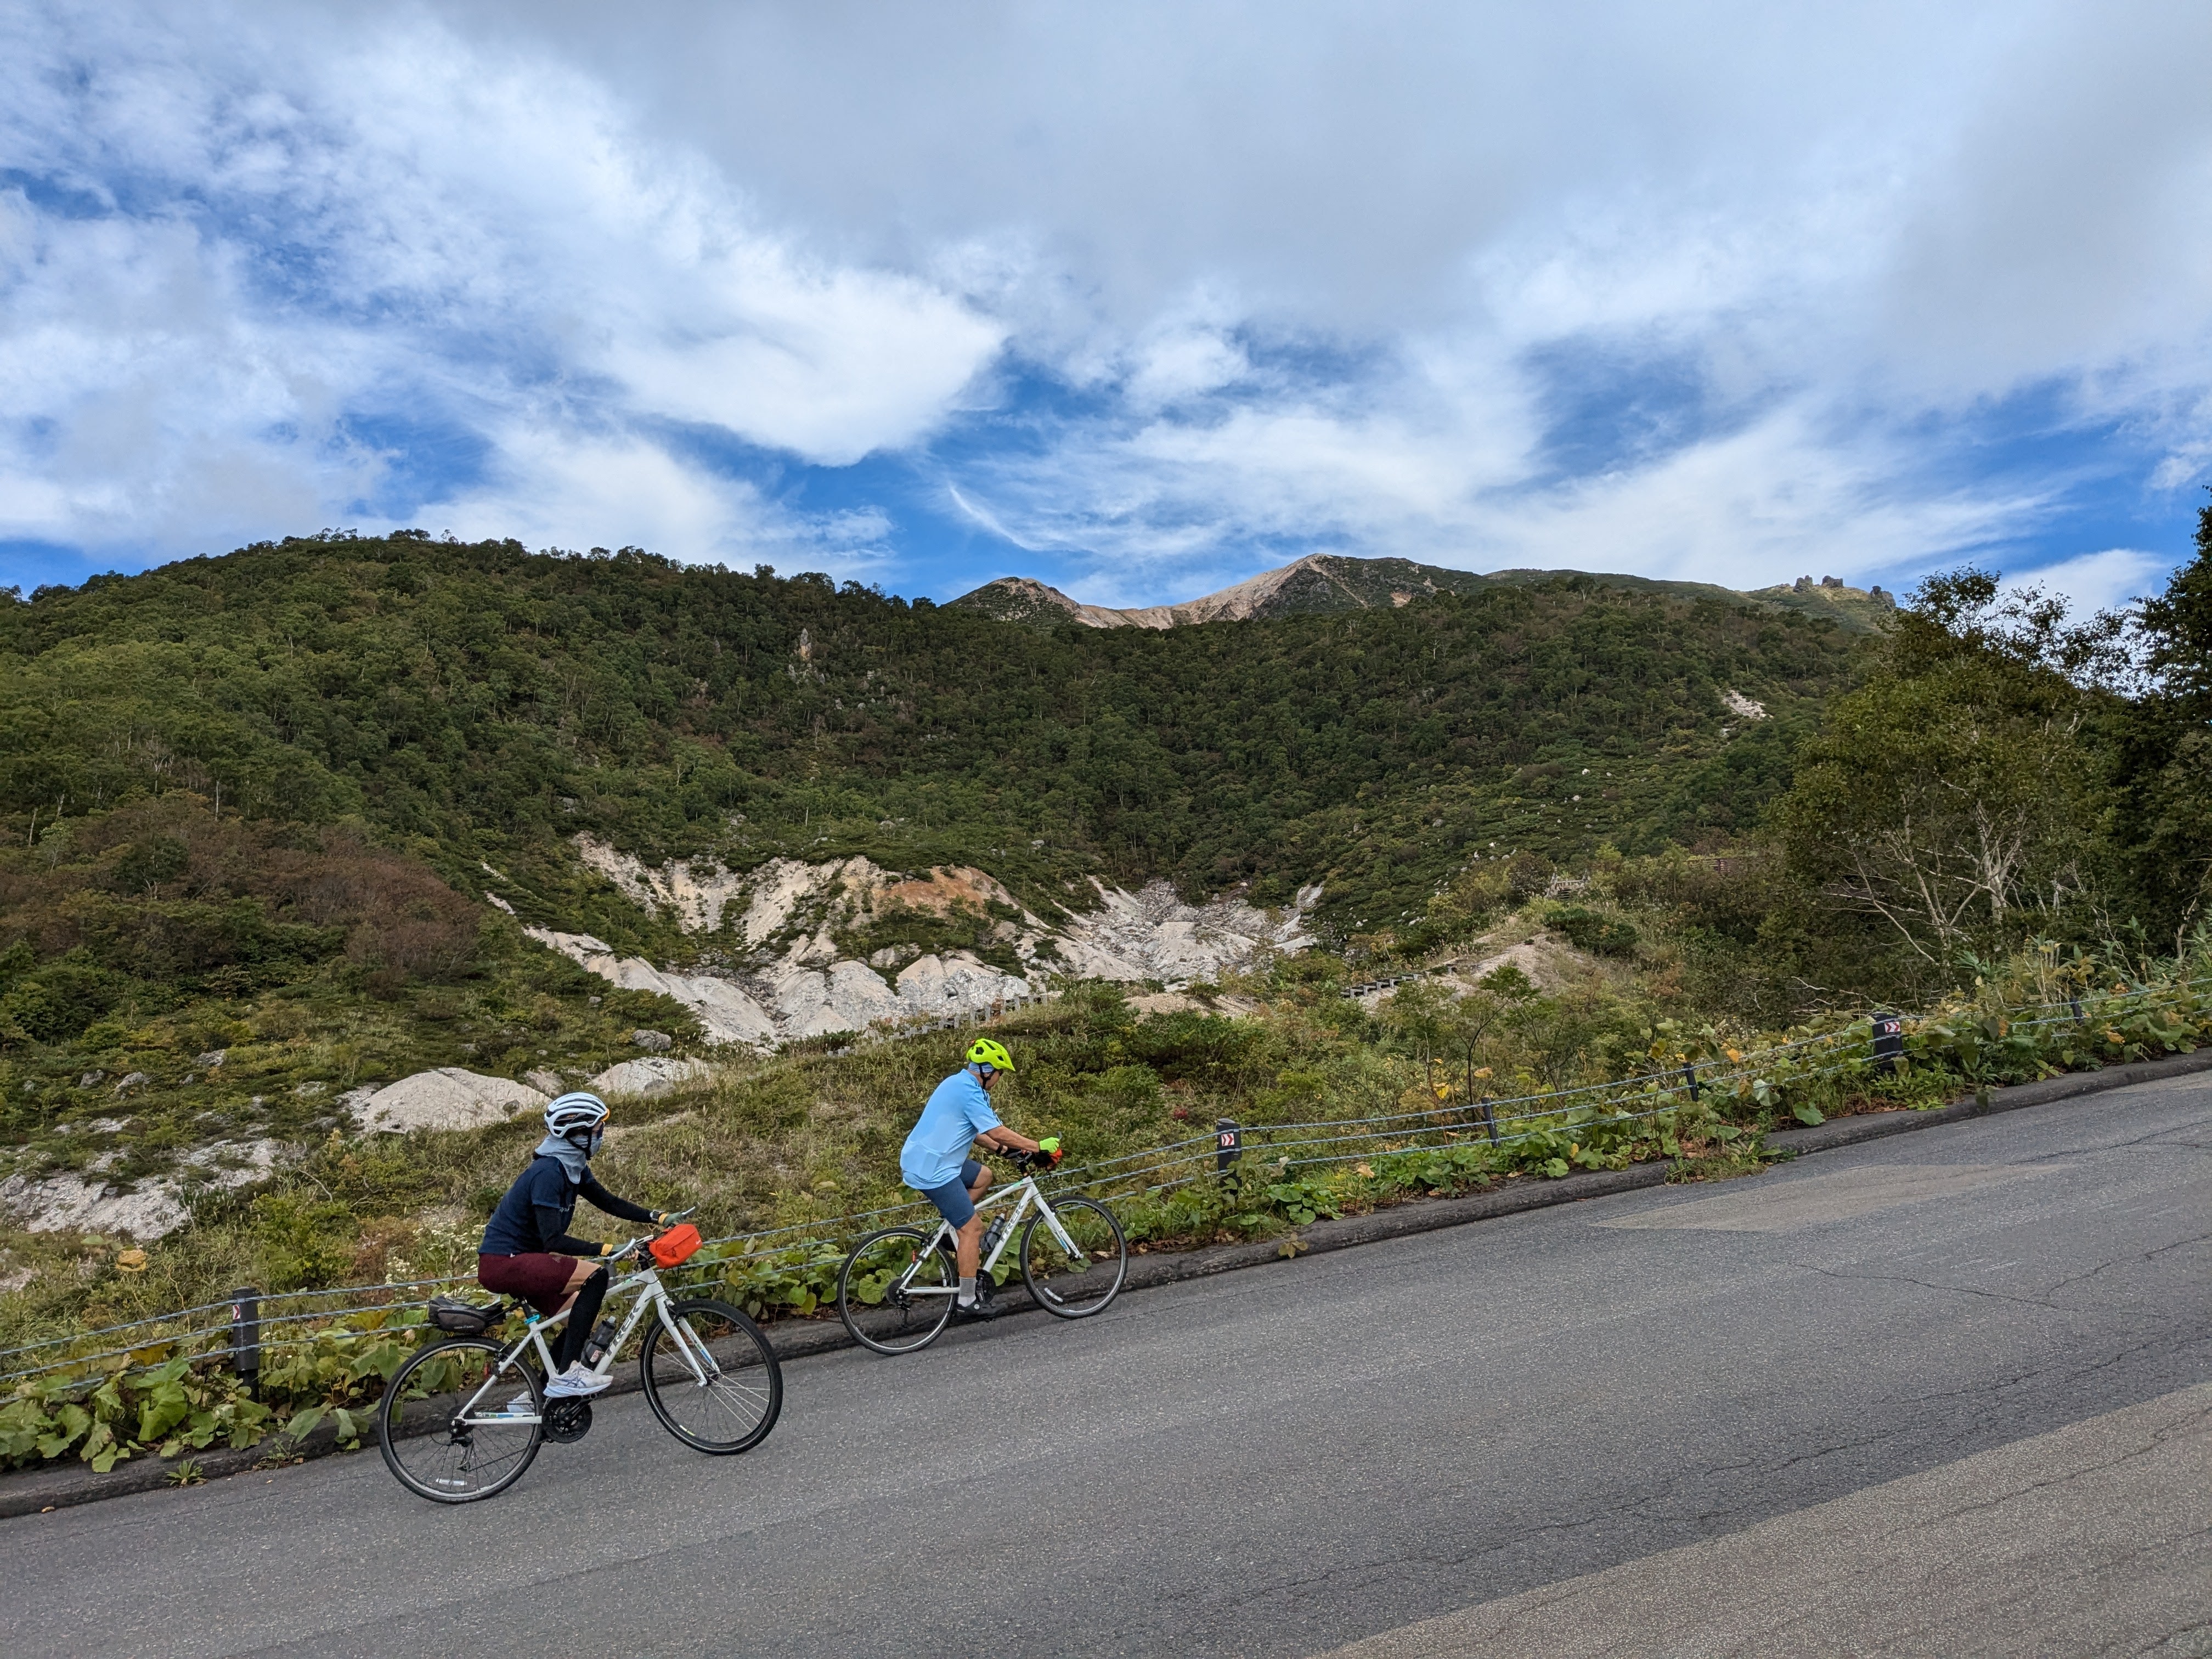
1153,934
149,1209
447,1098
647,1080
786,917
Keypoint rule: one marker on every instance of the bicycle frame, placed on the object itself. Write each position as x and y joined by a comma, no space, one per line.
653,1296
947,1234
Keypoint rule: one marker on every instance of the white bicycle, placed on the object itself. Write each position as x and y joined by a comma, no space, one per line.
462,1420
896,1290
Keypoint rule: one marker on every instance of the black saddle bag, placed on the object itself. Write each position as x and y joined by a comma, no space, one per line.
460,1318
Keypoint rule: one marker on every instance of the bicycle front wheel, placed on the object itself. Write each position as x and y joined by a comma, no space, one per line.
454,1431
895,1293
1078,1283
711,1378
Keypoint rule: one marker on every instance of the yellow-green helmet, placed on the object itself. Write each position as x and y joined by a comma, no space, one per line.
989,1051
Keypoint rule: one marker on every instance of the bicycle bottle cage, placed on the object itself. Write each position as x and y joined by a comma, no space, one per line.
451,1313
675,1246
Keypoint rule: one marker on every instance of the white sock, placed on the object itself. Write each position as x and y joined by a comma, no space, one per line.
968,1289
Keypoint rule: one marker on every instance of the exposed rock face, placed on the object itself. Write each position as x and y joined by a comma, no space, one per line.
786,917
69,1203
447,1098
645,1079
1320,582
149,1210
1155,935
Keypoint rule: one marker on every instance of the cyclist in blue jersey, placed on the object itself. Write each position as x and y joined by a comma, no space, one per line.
935,1159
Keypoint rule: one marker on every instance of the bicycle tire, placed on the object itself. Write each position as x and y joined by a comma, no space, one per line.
909,1327
746,1395
415,1461
1105,1251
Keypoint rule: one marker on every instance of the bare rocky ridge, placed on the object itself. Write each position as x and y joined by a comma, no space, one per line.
1332,583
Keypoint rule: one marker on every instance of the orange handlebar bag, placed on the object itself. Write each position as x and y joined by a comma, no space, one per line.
675,1246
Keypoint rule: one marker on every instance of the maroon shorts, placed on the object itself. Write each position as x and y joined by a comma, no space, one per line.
542,1280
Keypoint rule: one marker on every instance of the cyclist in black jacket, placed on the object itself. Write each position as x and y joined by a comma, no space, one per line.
527,1251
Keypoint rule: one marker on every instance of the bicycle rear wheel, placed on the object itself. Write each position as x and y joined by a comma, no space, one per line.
1074,1285
460,1443
718,1390
895,1293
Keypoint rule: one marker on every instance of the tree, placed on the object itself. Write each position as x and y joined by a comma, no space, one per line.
2163,743
1953,799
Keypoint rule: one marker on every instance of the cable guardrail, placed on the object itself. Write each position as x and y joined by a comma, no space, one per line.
1490,1117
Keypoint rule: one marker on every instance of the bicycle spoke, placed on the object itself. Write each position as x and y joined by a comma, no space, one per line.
895,1293
711,1378
452,1429
1074,1283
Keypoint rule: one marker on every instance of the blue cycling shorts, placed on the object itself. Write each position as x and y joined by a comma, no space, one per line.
951,1198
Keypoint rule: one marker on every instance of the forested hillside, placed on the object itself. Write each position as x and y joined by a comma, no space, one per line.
476,703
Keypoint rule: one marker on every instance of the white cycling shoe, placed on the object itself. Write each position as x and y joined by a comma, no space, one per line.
575,1383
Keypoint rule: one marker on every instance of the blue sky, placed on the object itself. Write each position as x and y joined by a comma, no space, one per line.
1140,300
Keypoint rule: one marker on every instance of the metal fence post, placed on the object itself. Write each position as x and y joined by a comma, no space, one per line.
245,1336
1228,1148
1888,1043
1690,1077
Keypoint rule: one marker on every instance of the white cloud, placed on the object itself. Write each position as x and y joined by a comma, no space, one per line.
2099,581
278,251
1732,292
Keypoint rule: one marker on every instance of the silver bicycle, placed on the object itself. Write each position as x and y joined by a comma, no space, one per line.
462,1420
896,1290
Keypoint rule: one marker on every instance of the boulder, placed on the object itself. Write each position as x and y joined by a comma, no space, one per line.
546,1083
69,1203
655,1042
645,1079
447,1098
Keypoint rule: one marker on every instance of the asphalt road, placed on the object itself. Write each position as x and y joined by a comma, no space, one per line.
1288,1460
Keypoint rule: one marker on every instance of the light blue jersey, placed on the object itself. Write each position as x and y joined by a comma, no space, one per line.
959,1109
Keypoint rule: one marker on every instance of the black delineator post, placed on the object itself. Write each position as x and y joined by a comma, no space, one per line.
245,1336
1228,1147
1888,1043
1690,1077
1490,1119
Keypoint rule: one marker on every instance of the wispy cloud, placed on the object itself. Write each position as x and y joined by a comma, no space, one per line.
1155,296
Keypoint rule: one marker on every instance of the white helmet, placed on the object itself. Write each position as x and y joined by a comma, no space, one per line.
579,1109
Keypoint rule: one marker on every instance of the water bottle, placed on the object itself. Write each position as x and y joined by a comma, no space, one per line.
992,1234
603,1338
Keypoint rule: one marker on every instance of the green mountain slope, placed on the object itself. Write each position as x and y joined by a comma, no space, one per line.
481,704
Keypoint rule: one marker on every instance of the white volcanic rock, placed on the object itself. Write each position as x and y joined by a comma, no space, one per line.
1153,934
695,892
723,1010
149,1210
795,911
954,984
847,996
69,1203
447,1098
645,1079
